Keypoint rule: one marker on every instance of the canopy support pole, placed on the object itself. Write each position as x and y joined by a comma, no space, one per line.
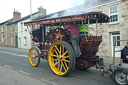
96,27
84,31
88,26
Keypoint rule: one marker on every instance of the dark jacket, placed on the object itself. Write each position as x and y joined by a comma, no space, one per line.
125,52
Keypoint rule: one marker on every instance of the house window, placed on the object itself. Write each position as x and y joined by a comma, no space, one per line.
11,29
113,12
2,28
2,38
25,41
21,26
16,28
11,41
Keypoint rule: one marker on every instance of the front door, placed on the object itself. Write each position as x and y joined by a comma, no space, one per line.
16,41
116,36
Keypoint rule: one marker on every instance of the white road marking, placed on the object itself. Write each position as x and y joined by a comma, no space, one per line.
46,81
8,66
23,72
14,54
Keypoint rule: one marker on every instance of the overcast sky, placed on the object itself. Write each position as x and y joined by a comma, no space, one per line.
7,6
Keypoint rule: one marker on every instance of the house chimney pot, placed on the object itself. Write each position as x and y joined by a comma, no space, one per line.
16,14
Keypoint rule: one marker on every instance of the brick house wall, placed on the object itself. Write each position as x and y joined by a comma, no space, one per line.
8,34
4,43
12,33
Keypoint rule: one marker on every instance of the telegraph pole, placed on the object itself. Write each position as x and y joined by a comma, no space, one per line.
31,20
30,10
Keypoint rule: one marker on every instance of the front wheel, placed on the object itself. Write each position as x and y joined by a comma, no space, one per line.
61,58
34,57
120,76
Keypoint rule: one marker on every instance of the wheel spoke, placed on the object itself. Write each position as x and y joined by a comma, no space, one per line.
31,56
55,64
56,52
63,50
65,53
66,65
55,34
36,53
60,49
54,59
63,65
36,61
54,55
61,68
32,52
59,32
57,49
65,57
58,65
65,60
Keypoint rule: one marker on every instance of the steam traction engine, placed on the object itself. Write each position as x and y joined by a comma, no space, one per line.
53,43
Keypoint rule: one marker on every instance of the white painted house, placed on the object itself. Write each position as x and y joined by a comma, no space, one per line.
24,38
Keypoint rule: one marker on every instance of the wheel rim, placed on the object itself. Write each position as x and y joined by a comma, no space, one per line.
33,57
121,78
59,58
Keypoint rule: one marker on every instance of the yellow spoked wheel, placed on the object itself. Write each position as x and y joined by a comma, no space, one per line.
33,56
61,58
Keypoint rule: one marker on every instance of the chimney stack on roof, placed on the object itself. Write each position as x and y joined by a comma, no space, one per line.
16,14
42,11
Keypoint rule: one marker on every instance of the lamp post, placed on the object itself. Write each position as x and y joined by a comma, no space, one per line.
30,11
31,43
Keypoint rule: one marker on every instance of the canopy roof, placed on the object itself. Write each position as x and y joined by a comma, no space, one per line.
92,17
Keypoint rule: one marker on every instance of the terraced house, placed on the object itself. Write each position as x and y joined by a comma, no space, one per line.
13,32
8,33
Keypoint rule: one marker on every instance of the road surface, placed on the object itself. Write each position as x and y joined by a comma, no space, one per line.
17,60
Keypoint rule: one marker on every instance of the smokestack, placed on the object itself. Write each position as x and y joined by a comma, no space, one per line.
16,14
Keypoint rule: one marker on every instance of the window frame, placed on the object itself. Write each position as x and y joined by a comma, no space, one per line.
11,29
2,38
11,41
21,24
2,28
114,13
16,28
25,41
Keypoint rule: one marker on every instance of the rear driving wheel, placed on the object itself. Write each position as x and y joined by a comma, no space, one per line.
33,56
61,58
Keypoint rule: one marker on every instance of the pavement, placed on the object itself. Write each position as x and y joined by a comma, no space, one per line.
109,60
11,77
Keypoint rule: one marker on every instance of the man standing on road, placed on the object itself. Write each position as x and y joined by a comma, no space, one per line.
74,32
125,52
